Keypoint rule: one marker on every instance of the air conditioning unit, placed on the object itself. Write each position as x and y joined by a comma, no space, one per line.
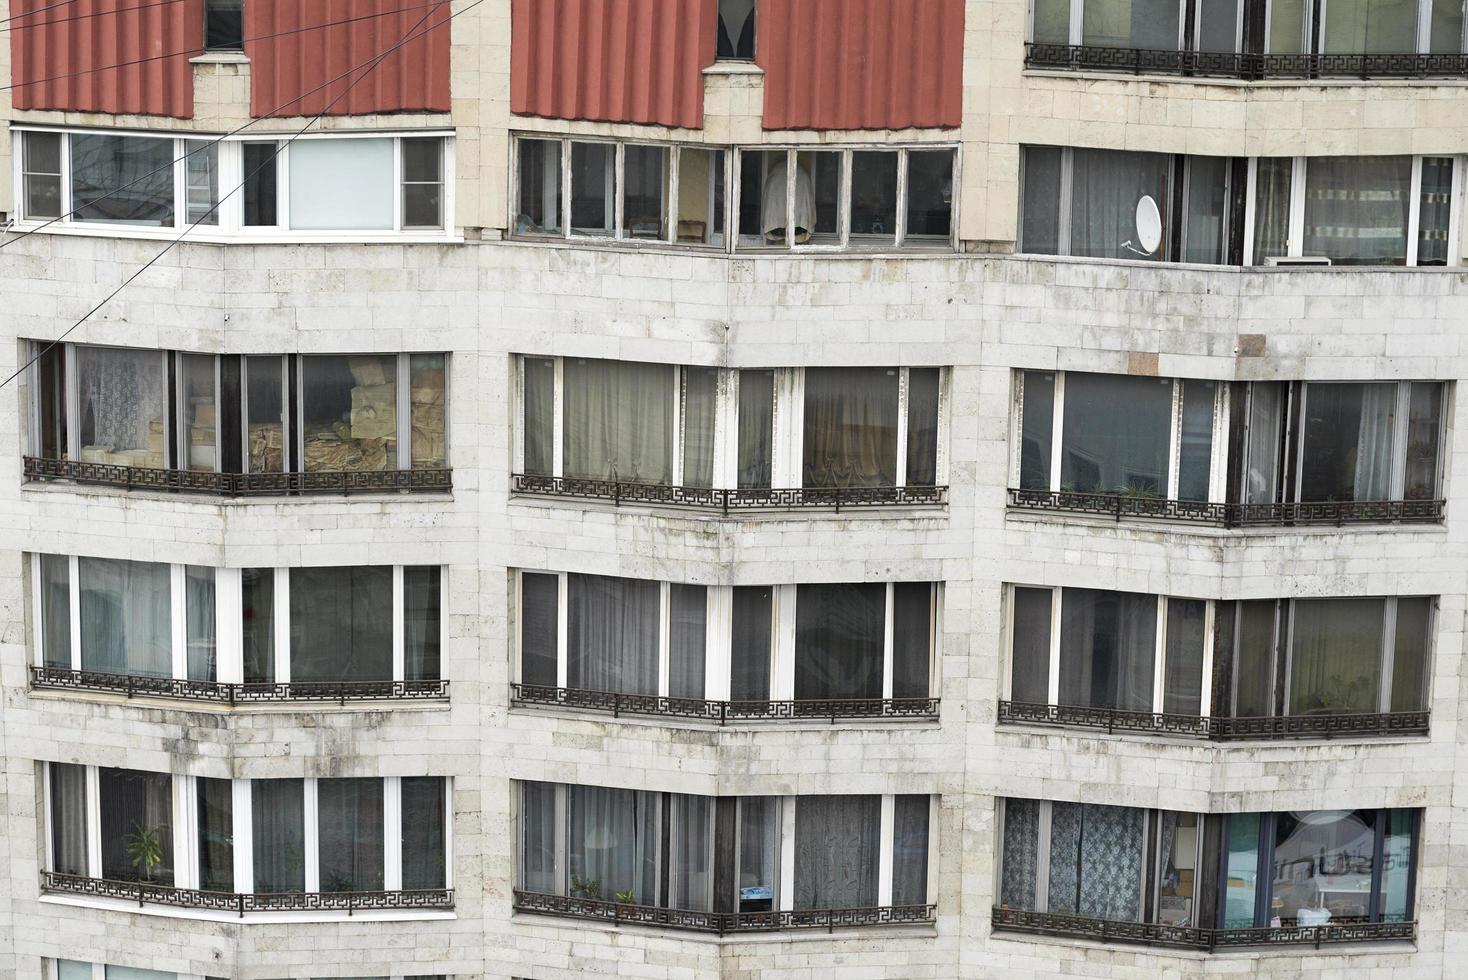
1297,260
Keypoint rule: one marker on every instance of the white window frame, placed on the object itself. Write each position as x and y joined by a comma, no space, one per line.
230,213
1077,21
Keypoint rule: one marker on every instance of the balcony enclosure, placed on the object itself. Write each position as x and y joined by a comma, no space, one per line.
238,424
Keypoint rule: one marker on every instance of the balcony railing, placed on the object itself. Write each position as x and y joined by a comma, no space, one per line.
723,712
238,484
1334,513
131,685
1218,729
621,913
618,492
1241,65
240,903
1190,937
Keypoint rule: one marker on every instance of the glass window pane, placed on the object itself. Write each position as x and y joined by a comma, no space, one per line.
224,25
593,189
1241,871
1177,885
910,850
692,875
612,844
839,638
749,654
341,184
1335,656
1322,867
759,850
1051,21
756,428
1039,209
1183,682
837,843
1254,660
612,627
349,822
1424,434
538,629
200,412
762,191
1206,218
426,404
1266,423
1108,649
258,624
1411,652
540,188
912,639
123,410
1148,24
1287,27
1106,187
873,198
424,851
618,421
1272,199
1030,670
201,171
131,973
68,819
216,835
922,426
42,169
1019,865
349,412
538,839
1397,857
1436,207
422,622
126,617
265,417
1037,433
137,825
1195,457
50,395
817,197
1347,433
1356,209
1370,27
736,30
700,405
929,198
121,179
1218,25
73,970
277,815
1447,27
701,196
540,408
341,623
1096,861
687,644
1117,435
200,629
261,191
645,192
850,427
55,610
423,182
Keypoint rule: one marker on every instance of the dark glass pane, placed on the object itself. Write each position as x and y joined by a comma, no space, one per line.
1241,871
1151,25
258,624
539,595
261,199
422,623
1019,871
277,814
349,413
1411,652
1348,431
837,843
612,634
1117,435
68,805
216,835
1218,25
1323,865
756,428
1254,660
687,615
922,427
645,192
1030,671
538,853
873,198
265,417
839,641
618,420
1206,219
1051,25
1108,649
929,197
424,852
1424,438
349,821
55,610
42,169
910,850
736,30
850,427
700,406
749,654
1272,203
1037,433
122,179
759,853
540,415
1195,458
341,624
540,188
1183,680
1039,208
1398,857
224,25
1335,656
912,638
1106,187
593,189
137,825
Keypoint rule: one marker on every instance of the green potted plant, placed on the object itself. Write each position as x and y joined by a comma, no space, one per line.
145,850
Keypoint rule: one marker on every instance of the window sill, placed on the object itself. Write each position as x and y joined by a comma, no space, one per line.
733,67
729,503
822,714
167,691
1401,726
41,472
221,58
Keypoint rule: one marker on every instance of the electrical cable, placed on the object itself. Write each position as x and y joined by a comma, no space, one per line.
32,13
87,16
368,65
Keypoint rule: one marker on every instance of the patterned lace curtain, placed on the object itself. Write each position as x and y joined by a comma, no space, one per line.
1021,852
1096,861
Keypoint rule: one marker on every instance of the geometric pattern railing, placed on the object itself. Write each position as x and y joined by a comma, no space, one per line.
1334,513
66,679
1219,729
243,903
1189,937
1242,65
620,492
238,484
619,913
721,712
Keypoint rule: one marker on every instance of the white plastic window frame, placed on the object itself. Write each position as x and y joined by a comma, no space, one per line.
1218,458
1078,15
231,176
184,790
1159,663
1313,39
1295,237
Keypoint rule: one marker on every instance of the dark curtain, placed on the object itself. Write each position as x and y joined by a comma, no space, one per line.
341,624
349,824
539,628
425,822
612,634
277,815
922,427
839,641
749,653
216,835
850,427
422,619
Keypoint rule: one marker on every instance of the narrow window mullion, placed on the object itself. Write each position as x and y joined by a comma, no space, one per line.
1067,185
243,825
673,157
178,621
1251,181
886,825
404,409
281,582
901,223
1159,667
399,625
566,202
665,639
1077,15
1414,211
1056,597
791,163
74,609
1218,462
843,200
1296,244
680,420
619,187
563,592
1175,443
94,822
392,833
558,422
73,398
562,833
185,804
787,852
1424,27
887,640
1205,689
312,835
1455,204
903,396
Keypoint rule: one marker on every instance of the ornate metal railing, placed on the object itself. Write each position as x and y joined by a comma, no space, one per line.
1190,937
1221,729
621,913
242,903
722,712
1241,65
621,492
130,685
238,484
1321,512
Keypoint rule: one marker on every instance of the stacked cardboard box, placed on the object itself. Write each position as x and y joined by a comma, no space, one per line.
150,457
429,449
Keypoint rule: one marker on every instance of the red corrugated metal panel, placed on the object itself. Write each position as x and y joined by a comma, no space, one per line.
285,68
638,61
861,64
54,53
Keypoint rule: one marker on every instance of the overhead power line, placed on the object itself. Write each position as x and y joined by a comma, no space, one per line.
367,68
38,10
86,16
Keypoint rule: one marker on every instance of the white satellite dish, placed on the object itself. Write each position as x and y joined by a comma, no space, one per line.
1149,225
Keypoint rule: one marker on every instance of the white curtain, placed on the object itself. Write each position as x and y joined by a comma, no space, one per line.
69,818
1272,205
837,847
618,421
692,872
1374,445
701,392
123,407
612,843
538,839
1096,861
1356,209
199,603
126,617
612,634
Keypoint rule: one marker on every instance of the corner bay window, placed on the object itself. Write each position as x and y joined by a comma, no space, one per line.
631,422
717,643
722,855
230,837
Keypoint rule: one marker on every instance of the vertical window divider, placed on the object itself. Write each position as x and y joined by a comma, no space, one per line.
1414,210
563,593
1251,181
1017,429
935,813
718,642
282,186
312,836
901,223
940,458
178,621
1054,665
887,641
185,831
887,820
618,189
1077,15
231,159
1286,618
565,174
1175,442
1296,244
782,673
935,643
558,422
1424,29
66,195
1205,690
281,583
1067,171
403,407
791,162
38,607
448,831
74,609
902,434
665,644
94,822
48,814
99,972
1043,822
1378,859
399,625
397,183
726,430
843,201
392,833
1006,674
671,158
680,391
1057,431
517,444
243,826
1218,464
1159,663
787,853
180,185
1388,646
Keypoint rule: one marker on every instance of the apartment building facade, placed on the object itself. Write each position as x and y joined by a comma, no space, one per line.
731,488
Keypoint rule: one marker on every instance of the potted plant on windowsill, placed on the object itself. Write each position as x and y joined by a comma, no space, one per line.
145,850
